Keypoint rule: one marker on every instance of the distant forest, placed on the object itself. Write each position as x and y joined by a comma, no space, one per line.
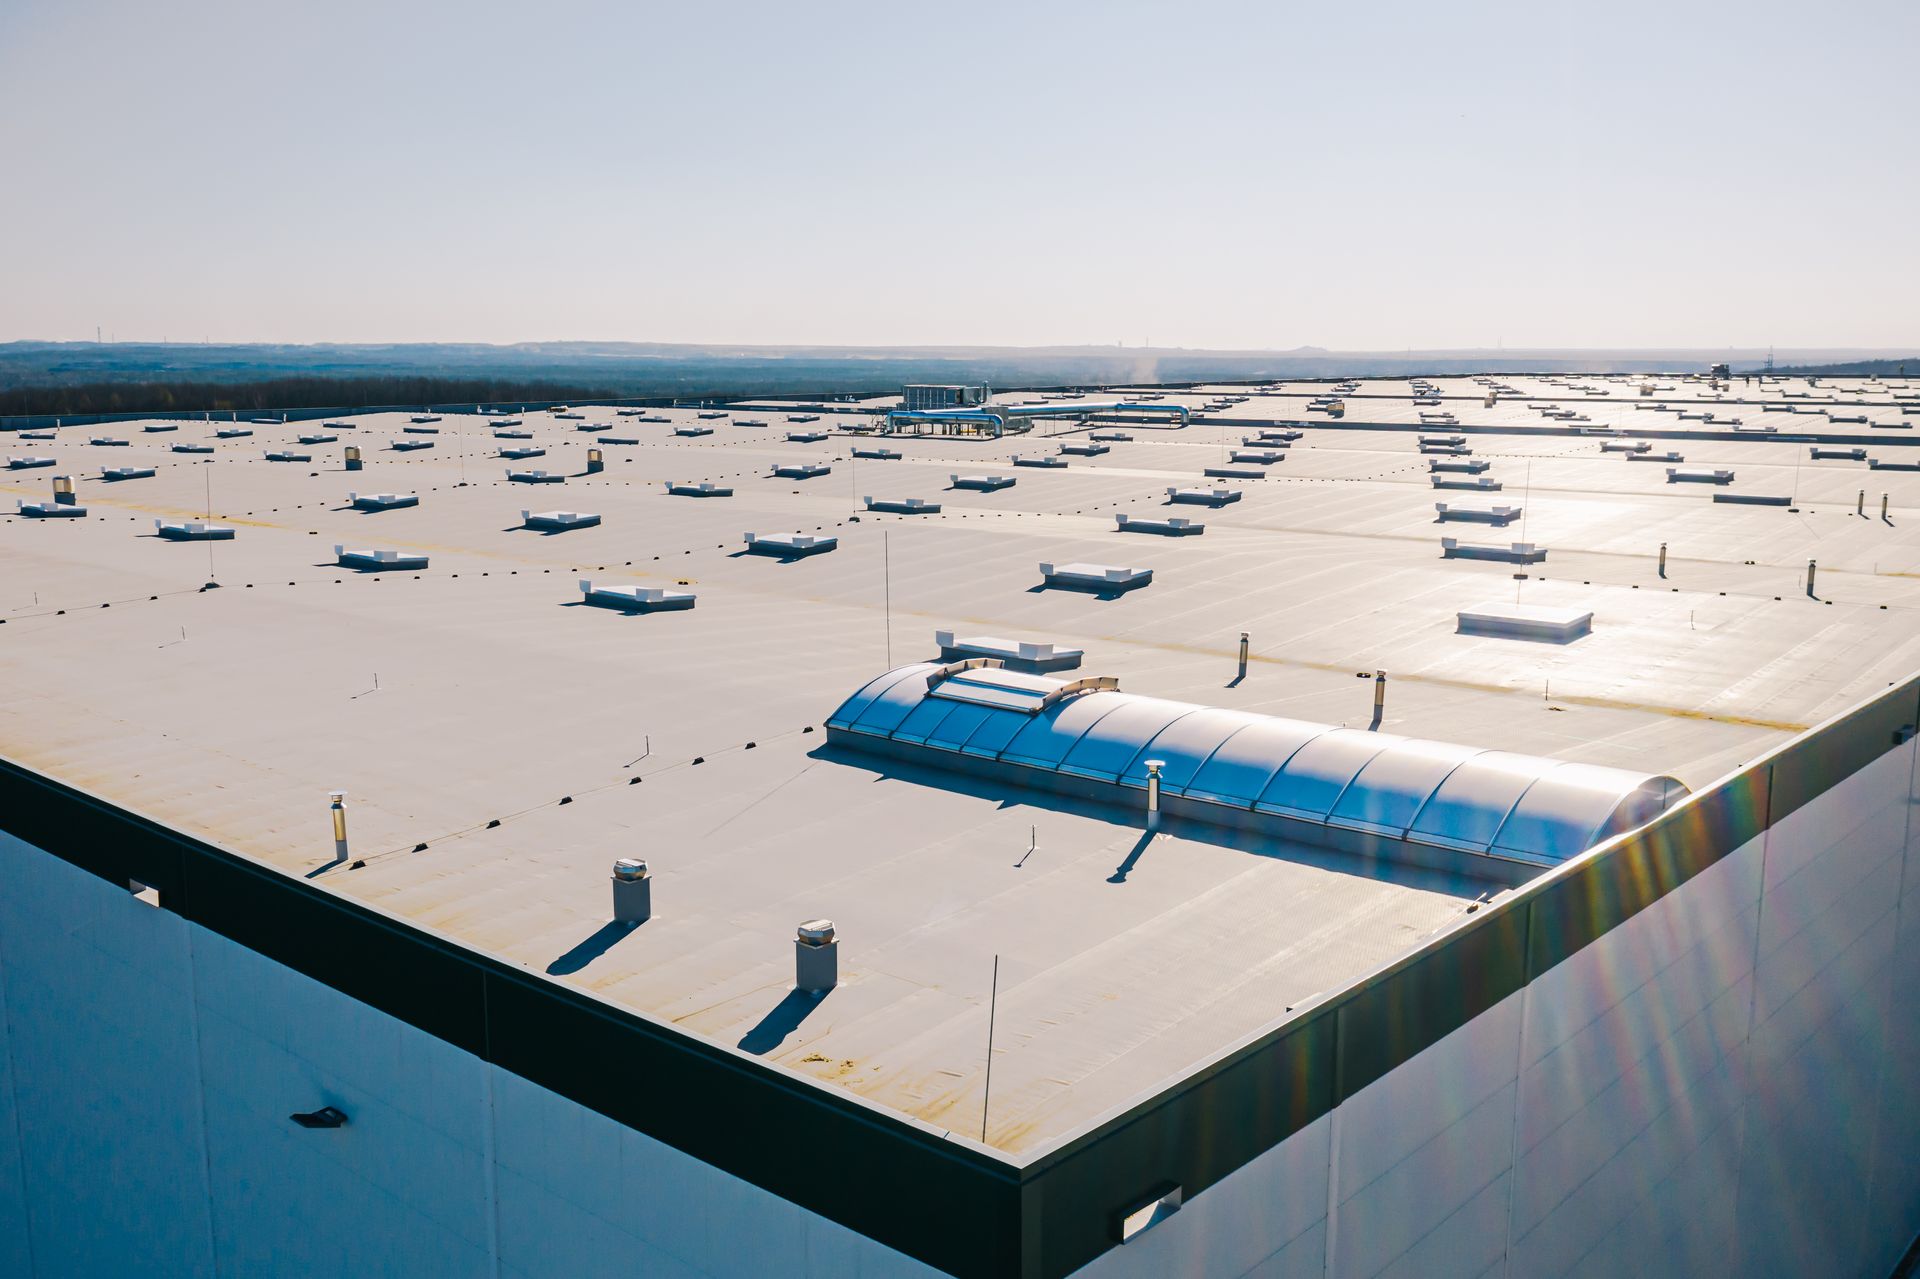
279,393
1856,368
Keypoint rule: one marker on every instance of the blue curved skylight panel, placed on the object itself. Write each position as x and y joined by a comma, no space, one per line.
1566,811
1240,769
1313,779
1469,806
1048,736
886,712
924,720
1105,750
1187,743
960,724
994,733
1389,792
848,716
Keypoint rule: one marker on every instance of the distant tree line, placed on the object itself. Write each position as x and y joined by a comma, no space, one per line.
278,393
1853,368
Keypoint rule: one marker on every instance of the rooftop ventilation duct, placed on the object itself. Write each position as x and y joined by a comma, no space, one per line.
1491,813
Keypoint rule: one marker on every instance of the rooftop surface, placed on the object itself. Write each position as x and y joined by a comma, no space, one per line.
479,690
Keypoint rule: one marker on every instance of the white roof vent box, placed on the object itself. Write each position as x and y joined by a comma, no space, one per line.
981,483
378,560
902,505
1698,475
1202,496
635,599
1098,578
789,546
382,501
698,488
192,531
1540,622
1512,552
1165,526
1497,515
1014,655
557,521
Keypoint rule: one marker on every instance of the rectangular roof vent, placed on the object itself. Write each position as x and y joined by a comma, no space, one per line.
1095,577
902,505
981,483
1203,497
372,560
1016,655
790,545
192,531
1513,552
126,473
1526,621
1166,526
635,599
1485,515
557,521
535,477
1698,475
802,470
50,511
382,501
702,488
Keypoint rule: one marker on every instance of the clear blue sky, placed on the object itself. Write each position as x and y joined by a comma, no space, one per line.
1363,175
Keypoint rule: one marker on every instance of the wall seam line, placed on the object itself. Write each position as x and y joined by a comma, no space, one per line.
19,1139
